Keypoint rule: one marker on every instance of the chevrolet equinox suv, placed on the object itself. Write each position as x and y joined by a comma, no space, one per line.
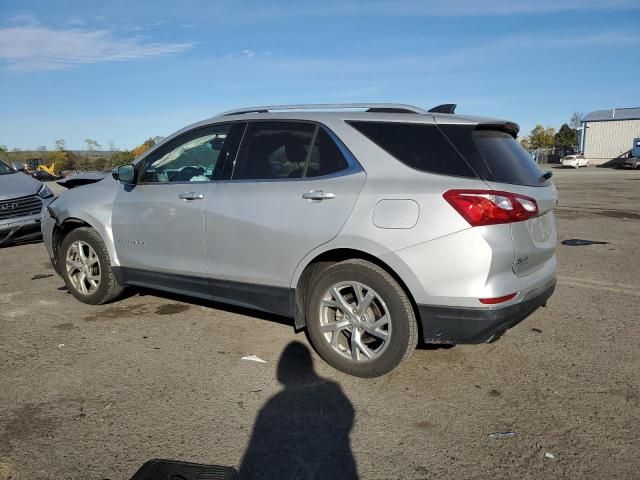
371,229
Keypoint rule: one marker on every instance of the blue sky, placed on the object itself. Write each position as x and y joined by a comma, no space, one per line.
124,71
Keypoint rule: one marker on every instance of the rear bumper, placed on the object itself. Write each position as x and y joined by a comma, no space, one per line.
456,325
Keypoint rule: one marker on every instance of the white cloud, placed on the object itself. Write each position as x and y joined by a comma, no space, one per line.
248,53
35,47
22,19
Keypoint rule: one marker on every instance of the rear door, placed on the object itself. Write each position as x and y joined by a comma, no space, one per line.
293,187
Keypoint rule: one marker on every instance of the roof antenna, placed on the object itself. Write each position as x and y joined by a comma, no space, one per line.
444,108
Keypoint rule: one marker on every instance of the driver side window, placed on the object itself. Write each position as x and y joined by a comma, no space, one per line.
191,157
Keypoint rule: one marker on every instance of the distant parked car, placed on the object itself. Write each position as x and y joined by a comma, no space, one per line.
369,229
574,161
22,199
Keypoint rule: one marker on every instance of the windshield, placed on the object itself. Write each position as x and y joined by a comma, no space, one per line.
5,169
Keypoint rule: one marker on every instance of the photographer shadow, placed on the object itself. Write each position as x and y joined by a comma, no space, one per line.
302,432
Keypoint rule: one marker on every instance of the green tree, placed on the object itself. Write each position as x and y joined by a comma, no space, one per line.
3,149
542,137
61,157
525,142
121,158
566,136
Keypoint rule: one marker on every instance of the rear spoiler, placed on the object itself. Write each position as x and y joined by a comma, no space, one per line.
507,127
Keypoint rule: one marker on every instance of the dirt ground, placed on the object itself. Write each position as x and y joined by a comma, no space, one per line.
93,392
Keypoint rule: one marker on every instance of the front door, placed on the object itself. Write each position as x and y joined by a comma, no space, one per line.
158,224
292,189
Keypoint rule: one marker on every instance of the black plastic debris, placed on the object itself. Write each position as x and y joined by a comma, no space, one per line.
38,276
578,242
173,469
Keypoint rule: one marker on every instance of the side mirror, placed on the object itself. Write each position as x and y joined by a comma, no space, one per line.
18,167
124,174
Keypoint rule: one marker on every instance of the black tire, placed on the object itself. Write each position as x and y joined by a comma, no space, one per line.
108,288
404,334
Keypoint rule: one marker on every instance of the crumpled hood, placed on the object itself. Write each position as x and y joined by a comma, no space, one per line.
13,185
83,178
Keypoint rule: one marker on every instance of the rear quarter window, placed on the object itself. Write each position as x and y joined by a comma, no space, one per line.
419,146
495,155
507,161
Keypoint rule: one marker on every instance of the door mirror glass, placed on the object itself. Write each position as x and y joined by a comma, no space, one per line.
124,173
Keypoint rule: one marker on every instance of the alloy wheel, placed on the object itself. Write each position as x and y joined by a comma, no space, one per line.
83,267
355,321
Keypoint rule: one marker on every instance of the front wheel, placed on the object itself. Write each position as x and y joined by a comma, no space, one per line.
86,267
360,320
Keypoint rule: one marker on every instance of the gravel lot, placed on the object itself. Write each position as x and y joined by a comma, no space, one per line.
93,392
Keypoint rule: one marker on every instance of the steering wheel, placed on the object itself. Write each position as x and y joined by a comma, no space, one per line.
187,172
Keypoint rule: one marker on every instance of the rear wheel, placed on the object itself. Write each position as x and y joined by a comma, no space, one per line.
86,268
360,320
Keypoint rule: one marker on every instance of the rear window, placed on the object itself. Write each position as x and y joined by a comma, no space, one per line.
418,146
507,161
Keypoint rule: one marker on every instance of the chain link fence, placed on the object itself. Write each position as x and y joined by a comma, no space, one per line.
551,155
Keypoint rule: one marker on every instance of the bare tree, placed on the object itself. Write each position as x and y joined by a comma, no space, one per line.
61,145
576,120
92,145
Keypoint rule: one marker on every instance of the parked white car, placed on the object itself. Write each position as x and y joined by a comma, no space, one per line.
574,161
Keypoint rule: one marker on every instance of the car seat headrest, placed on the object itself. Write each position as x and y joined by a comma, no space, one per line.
295,151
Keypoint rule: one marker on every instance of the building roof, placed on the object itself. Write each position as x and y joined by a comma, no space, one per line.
613,114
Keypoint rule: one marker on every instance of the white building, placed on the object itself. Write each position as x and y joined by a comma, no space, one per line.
608,134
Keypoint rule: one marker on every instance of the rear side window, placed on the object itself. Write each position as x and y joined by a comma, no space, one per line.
418,146
282,150
506,159
272,150
326,157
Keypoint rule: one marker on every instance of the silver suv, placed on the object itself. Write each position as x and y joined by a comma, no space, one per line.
371,229
22,200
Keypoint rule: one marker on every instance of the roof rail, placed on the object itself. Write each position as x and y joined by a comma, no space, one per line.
372,107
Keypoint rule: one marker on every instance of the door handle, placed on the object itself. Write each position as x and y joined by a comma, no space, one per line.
318,195
191,196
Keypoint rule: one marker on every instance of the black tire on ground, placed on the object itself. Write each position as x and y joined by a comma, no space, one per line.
109,288
404,334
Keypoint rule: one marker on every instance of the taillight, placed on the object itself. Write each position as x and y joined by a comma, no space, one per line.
490,207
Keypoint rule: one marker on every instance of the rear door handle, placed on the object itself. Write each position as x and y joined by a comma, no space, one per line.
318,195
191,196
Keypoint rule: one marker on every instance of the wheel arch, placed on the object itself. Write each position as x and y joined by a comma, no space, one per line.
303,282
62,229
